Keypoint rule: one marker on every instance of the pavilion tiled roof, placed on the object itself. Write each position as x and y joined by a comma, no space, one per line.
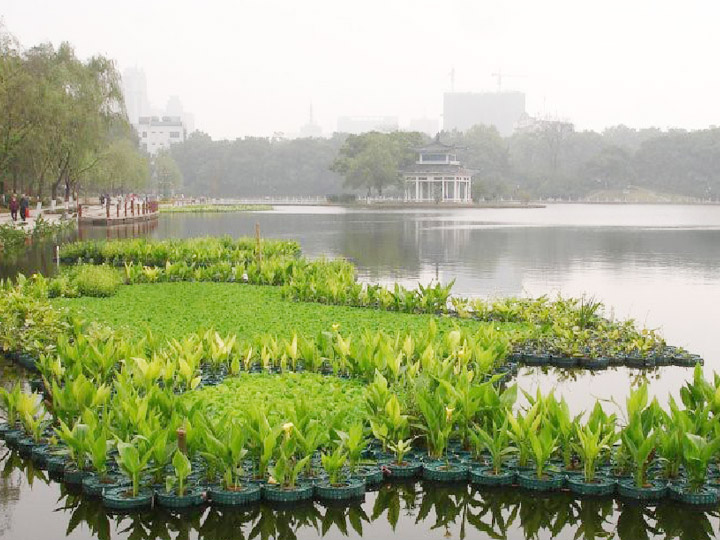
444,169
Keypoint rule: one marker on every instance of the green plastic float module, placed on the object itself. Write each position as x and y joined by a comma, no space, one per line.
39,455
407,469
549,482
55,463
443,471
12,437
94,485
536,359
25,446
601,486
74,476
4,428
485,476
705,496
563,361
350,489
275,493
370,475
654,491
601,362
122,499
246,494
194,496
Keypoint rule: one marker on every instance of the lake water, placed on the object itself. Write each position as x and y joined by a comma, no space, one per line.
657,264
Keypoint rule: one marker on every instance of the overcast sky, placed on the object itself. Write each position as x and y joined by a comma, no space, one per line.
252,67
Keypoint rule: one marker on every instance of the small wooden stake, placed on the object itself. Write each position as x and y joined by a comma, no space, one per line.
258,251
182,440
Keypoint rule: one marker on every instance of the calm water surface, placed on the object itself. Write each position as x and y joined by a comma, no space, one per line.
657,264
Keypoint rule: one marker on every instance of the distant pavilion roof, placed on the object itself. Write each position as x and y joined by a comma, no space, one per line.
436,147
438,168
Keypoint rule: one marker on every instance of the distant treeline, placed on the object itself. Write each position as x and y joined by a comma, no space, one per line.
554,160
257,166
550,159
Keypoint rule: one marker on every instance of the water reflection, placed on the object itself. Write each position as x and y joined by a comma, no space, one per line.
39,257
416,509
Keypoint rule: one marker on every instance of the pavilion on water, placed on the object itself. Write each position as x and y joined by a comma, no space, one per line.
437,176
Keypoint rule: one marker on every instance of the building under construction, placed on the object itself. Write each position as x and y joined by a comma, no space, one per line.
462,110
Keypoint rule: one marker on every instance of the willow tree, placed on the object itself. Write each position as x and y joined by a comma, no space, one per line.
121,169
58,115
18,105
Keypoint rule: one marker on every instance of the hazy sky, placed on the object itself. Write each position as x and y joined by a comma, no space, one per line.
252,67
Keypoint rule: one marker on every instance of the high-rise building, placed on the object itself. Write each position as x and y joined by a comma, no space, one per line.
135,93
362,124
462,110
175,108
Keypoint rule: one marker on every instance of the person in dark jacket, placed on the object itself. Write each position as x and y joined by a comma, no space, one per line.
24,203
13,207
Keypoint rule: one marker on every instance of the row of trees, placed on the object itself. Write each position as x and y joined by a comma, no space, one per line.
257,166
63,126
554,160
550,159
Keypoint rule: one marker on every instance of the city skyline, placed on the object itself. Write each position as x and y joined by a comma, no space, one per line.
253,68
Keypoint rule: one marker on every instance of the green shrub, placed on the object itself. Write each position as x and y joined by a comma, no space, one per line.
97,280
62,286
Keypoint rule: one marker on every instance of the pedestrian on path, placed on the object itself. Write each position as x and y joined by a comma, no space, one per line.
13,207
24,203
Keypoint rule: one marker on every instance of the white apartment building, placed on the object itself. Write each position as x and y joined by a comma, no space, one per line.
159,132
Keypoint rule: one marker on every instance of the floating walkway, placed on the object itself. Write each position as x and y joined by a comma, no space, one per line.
107,216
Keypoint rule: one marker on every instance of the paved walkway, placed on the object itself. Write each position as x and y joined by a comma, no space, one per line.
29,224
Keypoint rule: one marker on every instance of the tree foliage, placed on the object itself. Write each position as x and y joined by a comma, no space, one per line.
550,161
166,173
257,166
62,117
373,160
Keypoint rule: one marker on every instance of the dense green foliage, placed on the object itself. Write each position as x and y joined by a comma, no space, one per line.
438,397
373,161
572,329
282,395
191,251
255,166
176,309
98,281
409,392
166,174
554,160
63,127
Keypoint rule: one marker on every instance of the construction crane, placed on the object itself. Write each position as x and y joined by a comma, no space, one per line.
499,77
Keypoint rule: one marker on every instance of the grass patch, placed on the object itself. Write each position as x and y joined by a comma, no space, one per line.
281,395
173,310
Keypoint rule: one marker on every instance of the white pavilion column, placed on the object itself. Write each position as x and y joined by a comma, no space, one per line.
417,189
455,193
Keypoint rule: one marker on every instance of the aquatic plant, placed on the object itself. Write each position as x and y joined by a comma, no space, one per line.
182,468
333,463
